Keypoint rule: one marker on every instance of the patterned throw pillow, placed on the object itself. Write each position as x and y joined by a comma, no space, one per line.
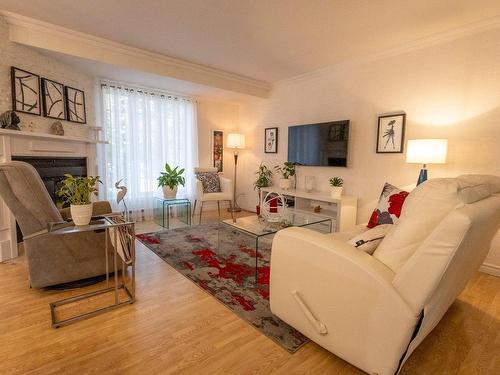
210,182
389,206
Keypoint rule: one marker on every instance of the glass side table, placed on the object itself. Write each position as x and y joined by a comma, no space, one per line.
163,211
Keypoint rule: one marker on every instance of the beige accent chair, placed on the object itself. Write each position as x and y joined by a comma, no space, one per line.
226,193
51,259
373,311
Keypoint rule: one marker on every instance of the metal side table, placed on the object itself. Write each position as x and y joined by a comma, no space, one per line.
121,233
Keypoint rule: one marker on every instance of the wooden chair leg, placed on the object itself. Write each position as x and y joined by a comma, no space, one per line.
218,207
201,210
194,207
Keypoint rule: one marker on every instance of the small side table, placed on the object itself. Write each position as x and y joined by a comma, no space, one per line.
163,210
121,234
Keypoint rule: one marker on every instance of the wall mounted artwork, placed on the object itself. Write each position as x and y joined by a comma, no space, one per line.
25,91
53,99
271,140
75,105
218,149
391,134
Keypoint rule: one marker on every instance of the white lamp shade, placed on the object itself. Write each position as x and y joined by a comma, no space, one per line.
427,151
235,140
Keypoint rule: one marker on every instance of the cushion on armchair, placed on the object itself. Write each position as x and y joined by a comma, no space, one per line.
389,206
210,182
424,208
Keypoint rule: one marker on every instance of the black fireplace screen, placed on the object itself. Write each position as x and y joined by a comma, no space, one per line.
51,171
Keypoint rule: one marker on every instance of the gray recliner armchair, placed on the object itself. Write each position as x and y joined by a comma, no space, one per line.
51,259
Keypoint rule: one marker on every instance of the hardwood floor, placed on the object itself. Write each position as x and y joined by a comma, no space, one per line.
176,328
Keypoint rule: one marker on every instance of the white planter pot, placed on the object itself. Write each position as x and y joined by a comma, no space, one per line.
169,193
81,213
336,191
285,183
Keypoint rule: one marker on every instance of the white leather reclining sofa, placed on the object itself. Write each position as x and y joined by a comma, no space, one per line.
374,310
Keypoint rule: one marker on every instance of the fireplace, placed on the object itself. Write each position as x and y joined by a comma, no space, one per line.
51,171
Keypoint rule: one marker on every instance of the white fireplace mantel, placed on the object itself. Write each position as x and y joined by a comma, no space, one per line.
22,143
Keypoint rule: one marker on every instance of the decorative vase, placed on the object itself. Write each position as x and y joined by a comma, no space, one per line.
285,183
309,183
169,193
81,213
335,191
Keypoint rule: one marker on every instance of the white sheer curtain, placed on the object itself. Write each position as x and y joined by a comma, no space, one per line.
145,130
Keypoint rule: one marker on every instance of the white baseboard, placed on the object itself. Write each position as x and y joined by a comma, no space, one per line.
490,269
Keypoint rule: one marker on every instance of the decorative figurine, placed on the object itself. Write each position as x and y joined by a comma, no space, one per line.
57,128
10,120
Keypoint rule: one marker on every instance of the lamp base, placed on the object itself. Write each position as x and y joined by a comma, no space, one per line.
422,176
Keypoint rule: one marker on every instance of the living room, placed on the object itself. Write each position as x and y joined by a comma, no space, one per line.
312,119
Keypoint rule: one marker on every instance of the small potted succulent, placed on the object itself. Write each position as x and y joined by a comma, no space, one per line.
336,184
169,180
77,191
264,179
287,171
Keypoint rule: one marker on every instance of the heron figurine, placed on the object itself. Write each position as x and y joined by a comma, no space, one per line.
120,197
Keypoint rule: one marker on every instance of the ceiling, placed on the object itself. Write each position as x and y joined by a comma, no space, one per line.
267,40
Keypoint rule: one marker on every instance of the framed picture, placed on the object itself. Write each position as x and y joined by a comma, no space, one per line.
75,105
391,134
25,91
271,140
53,99
218,149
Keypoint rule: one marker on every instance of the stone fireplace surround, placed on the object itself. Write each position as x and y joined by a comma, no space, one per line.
18,145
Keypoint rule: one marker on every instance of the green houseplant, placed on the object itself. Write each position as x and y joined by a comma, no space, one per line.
287,172
336,184
264,179
77,191
169,180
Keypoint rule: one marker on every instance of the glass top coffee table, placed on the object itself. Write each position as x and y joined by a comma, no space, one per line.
258,228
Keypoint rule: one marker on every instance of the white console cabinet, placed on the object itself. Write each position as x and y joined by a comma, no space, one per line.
343,210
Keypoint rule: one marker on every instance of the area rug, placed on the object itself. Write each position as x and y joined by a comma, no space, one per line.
222,262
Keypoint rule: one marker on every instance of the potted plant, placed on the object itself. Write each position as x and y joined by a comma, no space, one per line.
169,180
287,171
336,184
77,191
264,179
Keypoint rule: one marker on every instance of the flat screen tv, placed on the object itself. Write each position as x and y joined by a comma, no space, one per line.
323,144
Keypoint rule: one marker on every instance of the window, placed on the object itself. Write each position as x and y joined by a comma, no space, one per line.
145,130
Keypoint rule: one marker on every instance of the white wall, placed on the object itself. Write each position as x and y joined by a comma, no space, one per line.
13,54
451,90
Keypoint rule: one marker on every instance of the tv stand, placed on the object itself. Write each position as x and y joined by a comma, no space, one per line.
343,210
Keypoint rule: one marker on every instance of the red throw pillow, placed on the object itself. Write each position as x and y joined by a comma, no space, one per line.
389,206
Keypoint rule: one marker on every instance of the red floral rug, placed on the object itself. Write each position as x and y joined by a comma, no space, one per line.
222,262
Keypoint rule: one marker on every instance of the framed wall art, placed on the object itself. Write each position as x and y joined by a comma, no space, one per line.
271,140
53,99
391,134
218,149
75,105
25,91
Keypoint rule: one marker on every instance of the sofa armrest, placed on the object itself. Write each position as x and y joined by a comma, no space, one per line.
98,208
348,293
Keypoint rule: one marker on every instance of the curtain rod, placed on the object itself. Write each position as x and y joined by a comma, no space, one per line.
145,90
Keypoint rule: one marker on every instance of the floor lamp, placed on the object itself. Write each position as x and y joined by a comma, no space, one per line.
236,142
426,151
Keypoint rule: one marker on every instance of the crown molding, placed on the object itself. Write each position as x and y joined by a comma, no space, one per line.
39,34
415,45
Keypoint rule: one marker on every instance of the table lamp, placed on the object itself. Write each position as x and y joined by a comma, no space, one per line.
426,151
236,142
